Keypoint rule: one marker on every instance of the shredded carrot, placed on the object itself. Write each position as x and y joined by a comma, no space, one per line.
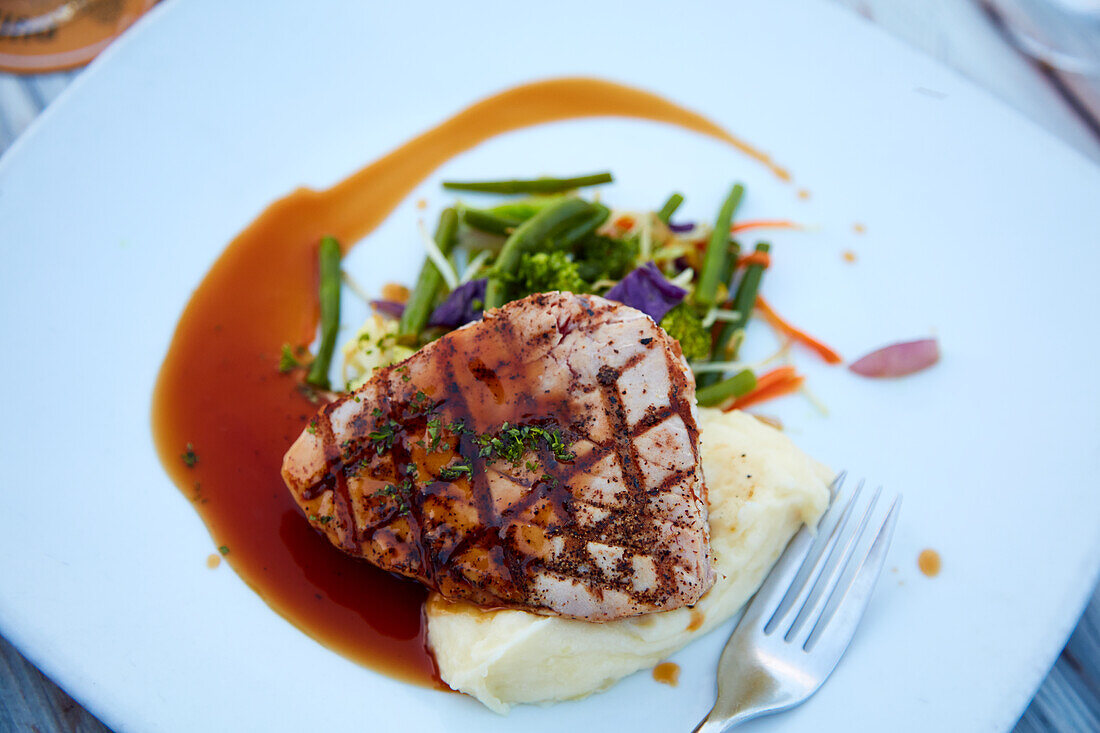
742,226
776,322
776,383
755,258
624,222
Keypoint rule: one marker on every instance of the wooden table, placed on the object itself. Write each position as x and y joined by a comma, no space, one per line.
959,34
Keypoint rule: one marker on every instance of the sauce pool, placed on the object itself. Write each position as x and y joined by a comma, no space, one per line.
667,673
929,563
220,394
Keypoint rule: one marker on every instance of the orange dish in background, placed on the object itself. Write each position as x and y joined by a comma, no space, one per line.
51,35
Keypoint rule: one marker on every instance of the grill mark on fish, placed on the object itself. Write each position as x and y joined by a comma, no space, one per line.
652,418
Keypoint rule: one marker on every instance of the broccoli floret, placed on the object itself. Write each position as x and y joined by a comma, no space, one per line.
600,258
539,272
684,326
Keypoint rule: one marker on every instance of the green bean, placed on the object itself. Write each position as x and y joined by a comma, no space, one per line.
736,386
584,226
742,302
714,261
670,207
486,221
419,306
504,218
552,220
536,185
329,293
731,263
524,209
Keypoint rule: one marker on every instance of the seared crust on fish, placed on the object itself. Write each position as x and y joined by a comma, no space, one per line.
545,458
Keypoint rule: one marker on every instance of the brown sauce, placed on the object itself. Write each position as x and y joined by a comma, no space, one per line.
697,619
667,673
929,563
220,391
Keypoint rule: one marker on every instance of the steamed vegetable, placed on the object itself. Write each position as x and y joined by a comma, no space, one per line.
423,296
683,325
583,227
464,304
329,292
605,258
670,207
776,383
646,289
488,221
530,236
539,272
536,185
726,345
739,384
717,253
774,319
391,308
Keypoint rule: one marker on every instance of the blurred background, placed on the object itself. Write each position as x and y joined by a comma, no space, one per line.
1041,57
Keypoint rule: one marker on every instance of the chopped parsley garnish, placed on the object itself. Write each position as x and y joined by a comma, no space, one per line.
511,444
435,426
382,438
326,520
421,403
189,456
312,428
455,472
400,494
224,549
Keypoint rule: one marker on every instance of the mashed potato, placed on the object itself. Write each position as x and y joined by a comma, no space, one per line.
761,490
374,345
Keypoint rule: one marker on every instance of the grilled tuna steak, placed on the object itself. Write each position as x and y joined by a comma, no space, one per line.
543,458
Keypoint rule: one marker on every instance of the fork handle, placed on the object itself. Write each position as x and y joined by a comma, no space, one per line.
716,722
744,694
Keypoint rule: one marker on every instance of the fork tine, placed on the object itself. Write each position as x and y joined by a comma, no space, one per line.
830,571
848,603
779,580
811,566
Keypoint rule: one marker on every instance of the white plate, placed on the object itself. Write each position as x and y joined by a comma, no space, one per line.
980,229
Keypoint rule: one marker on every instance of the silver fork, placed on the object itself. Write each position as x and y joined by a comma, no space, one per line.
802,618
